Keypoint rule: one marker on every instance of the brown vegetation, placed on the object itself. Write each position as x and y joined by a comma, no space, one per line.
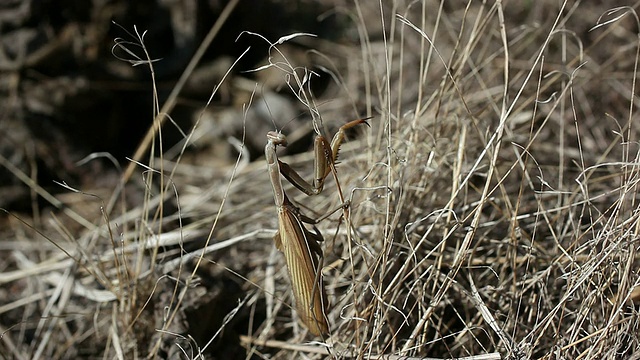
492,202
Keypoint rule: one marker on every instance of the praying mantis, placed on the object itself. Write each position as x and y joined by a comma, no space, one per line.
301,246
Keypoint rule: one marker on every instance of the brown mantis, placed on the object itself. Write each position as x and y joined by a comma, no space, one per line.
301,246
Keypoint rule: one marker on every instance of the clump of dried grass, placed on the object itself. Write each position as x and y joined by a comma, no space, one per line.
507,227
493,210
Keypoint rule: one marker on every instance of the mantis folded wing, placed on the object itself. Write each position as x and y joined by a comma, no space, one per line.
302,251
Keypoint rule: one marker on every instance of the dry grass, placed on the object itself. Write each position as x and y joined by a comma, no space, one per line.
493,208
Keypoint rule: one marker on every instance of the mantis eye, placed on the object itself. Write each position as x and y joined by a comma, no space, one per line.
277,138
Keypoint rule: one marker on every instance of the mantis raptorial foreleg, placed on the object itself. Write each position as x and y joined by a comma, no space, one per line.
300,246
325,158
